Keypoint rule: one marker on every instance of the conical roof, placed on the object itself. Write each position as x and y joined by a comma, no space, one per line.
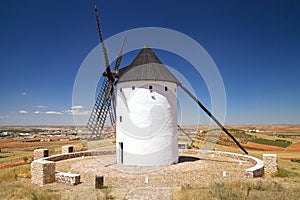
146,66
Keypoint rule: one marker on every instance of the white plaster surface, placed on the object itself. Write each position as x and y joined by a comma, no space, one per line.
148,129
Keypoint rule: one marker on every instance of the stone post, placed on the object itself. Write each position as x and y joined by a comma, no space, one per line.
40,153
270,163
99,180
67,149
42,172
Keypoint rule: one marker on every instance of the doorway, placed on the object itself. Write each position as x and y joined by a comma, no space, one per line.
121,151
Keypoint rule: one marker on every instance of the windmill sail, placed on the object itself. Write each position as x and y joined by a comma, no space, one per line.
100,110
105,102
212,117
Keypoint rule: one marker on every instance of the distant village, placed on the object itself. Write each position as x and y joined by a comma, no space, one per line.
40,134
35,134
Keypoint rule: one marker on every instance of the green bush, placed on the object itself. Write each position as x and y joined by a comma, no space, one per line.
25,158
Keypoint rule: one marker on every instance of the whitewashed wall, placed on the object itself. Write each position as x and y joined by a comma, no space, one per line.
147,123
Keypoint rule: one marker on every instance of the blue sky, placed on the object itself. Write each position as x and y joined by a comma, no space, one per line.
255,45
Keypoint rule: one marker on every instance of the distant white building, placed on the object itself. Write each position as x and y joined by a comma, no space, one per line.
6,134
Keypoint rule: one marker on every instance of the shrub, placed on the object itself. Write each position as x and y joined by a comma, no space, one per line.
295,160
105,194
23,171
221,191
267,186
44,195
25,158
282,173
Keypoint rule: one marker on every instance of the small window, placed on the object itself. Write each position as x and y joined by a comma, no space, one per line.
120,89
166,88
120,118
133,87
150,88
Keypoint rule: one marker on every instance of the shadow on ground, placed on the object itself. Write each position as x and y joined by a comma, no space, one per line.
187,159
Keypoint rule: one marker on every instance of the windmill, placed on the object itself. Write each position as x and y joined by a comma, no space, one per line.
141,100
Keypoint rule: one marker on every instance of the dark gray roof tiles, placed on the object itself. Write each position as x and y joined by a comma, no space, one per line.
146,66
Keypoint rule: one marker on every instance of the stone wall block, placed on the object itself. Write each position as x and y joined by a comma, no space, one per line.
42,172
40,153
270,163
67,149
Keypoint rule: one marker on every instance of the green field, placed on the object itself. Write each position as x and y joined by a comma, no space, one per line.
278,143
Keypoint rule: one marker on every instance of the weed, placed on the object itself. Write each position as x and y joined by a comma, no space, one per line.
221,191
25,158
295,160
44,195
267,186
105,194
7,175
188,193
282,173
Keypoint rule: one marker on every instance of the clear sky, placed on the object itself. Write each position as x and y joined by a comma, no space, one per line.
255,45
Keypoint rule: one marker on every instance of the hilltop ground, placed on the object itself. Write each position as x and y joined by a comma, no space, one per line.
284,140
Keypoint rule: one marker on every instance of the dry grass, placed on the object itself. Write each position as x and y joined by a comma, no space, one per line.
15,184
251,190
14,156
99,144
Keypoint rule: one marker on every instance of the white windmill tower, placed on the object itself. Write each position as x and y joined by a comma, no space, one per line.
144,111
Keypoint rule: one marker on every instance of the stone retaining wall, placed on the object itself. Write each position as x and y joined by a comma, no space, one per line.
43,169
255,171
59,157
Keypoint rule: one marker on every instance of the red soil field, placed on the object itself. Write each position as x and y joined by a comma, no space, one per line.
264,147
294,147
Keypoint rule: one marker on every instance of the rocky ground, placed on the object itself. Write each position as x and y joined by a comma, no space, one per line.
156,182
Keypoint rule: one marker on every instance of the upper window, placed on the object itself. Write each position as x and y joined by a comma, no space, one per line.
166,88
150,88
133,87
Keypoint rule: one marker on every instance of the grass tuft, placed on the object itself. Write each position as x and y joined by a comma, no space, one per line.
222,191
283,173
